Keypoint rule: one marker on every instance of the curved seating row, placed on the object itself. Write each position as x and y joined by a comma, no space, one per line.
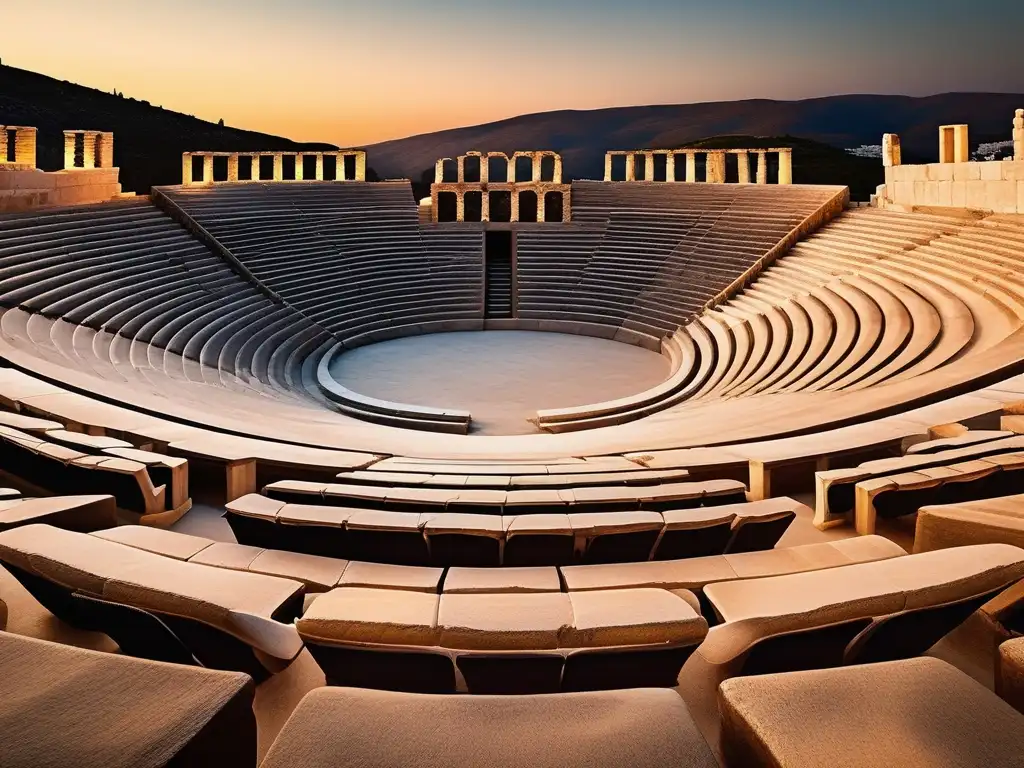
322,574
348,256
73,513
891,487
127,283
871,297
984,521
443,538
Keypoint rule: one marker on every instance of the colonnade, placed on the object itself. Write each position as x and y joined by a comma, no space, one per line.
255,173
714,166
97,149
24,145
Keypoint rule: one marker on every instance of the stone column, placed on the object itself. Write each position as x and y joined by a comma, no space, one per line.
485,205
460,206
743,165
891,153
607,166
69,150
299,170
514,205
566,206
233,167
557,177
630,167
25,147
691,167
207,169
670,166
1018,135
278,166
438,170
319,166
460,170
255,174
433,204
186,168
89,149
485,172
535,161
785,166
3,144
762,167
360,166
648,166
105,149
714,173
510,177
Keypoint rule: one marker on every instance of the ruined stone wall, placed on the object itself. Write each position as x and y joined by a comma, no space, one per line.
278,171
715,164
513,185
955,181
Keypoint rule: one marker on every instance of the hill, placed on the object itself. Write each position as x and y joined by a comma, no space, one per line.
583,136
148,140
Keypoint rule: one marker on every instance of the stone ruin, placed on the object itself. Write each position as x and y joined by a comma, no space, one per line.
715,164
97,149
512,185
255,173
24,140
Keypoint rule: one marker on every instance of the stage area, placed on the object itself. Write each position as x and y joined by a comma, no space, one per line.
501,377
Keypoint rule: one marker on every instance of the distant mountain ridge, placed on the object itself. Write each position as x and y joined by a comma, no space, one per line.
582,137
149,140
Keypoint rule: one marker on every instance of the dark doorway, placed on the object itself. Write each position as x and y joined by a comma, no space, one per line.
220,168
528,206
447,206
553,206
498,286
472,206
500,206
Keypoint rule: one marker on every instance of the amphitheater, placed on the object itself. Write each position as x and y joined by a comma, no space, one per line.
689,466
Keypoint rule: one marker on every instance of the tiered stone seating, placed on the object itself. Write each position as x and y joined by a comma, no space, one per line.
348,256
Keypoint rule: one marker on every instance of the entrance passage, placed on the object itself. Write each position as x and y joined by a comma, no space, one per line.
498,288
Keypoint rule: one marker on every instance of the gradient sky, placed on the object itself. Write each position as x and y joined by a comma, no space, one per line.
352,72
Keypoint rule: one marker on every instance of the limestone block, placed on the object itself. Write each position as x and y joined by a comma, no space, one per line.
714,172
254,175
69,149
691,167
959,194
648,166
105,150
1001,196
1018,135
890,175
460,169
1013,170
920,190
438,170
940,172
607,166
278,167
786,167
232,167
903,192
944,193
207,169
1020,197
967,172
991,171
319,166
743,166
670,167
630,167
977,195
186,168
299,170
25,147
360,166
88,149
891,153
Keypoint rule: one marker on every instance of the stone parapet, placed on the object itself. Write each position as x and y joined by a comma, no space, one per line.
234,173
996,186
31,188
715,164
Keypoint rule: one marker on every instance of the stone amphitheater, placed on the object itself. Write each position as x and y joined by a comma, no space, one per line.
689,466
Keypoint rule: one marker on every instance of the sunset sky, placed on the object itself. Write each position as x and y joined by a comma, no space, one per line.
353,72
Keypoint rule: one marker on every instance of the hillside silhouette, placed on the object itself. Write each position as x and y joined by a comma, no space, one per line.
148,140
582,137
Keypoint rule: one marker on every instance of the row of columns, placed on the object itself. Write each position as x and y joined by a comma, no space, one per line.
536,158
485,203
1018,135
97,149
714,172
278,172
24,144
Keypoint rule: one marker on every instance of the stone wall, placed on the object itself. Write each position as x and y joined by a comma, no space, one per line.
23,189
995,186
460,187
278,166
714,166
